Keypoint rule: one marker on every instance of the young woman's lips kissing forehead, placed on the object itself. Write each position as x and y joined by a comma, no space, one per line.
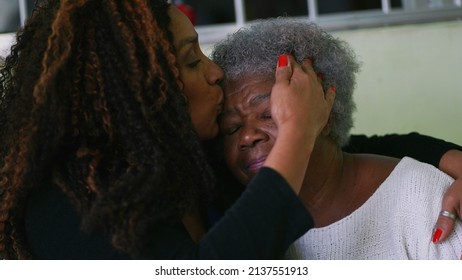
255,164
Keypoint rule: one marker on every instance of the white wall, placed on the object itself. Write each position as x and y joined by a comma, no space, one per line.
6,39
411,79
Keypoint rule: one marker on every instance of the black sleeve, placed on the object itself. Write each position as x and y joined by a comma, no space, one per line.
263,222
53,230
421,147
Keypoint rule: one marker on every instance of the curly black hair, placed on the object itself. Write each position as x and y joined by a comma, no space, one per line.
89,101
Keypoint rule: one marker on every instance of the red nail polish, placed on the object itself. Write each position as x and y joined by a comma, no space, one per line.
333,88
283,60
437,235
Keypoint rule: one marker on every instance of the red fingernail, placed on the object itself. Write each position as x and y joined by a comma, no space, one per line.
437,235
333,88
283,60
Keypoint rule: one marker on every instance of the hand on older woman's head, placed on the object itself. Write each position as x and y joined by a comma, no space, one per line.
297,97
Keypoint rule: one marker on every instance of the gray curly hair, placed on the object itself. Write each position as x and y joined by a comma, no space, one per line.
254,50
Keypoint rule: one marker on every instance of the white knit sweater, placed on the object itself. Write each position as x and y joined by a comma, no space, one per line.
396,222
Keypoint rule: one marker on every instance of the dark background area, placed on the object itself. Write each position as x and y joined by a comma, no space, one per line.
9,14
213,11
221,11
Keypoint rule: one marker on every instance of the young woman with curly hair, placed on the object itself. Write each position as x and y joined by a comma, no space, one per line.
104,107
104,104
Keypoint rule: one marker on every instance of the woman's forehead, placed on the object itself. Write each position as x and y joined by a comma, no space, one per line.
180,26
247,84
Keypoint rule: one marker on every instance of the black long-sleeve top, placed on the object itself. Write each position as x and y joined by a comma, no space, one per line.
261,224
421,147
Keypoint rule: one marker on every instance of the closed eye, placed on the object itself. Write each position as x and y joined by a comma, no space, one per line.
231,130
194,63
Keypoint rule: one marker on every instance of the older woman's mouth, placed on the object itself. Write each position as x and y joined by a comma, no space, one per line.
256,164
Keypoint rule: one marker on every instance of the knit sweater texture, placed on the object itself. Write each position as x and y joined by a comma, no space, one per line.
396,222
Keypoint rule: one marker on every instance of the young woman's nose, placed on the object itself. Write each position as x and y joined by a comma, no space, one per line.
251,136
214,73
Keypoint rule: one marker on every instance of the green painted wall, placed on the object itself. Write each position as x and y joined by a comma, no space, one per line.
411,79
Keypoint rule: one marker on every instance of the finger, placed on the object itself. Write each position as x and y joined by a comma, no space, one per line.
283,60
308,62
284,69
296,66
307,66
329,95
443,228
451,203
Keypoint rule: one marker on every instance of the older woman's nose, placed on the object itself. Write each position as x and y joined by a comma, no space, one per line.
250,137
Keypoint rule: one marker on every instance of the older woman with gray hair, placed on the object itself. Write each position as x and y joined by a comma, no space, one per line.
363,206
249,53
